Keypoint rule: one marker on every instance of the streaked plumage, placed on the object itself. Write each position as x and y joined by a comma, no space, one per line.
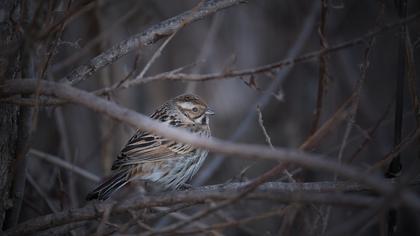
152,158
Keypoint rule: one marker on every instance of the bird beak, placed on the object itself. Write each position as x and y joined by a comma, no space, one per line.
209,111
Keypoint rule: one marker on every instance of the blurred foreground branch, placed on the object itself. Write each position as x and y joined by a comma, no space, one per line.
260,152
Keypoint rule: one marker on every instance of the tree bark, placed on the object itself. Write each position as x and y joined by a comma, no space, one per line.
10,68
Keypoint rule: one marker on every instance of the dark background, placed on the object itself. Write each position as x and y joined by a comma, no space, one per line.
244,36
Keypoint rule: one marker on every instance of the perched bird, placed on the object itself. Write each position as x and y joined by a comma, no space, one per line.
152,158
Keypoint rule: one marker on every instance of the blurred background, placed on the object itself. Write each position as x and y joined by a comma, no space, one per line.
244,36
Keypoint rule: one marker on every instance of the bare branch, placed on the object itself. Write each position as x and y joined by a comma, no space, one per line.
89,45
264,99
323,67
65,146
355,103
268,140
143,122
147,37
261,123
85,174
171,75
312,141
370,134
42,193
64,164
176,75
155,56
316,192
288,62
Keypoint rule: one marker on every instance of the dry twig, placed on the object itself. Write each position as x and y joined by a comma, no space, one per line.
147,37
316,192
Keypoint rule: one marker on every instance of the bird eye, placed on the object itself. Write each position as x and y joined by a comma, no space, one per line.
195,109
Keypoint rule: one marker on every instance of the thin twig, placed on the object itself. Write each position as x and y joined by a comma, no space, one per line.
268,140
128,83
261,123
264,99
65,229
66,165
235,222
105,218
155,56
89,45
312,141
405,143
370,134
322,90
71,14
202,226
43,195
323,67
206,48
24,132
243,193
263,69
33,206
201,214
289,217
147,37
317,192
278,65
227,218
147,66
274,66
162,212
83,173
355,103
309,143
65,145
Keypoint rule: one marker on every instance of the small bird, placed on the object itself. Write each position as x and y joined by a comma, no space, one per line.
152,158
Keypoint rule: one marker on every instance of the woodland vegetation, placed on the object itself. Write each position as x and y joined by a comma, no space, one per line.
316,129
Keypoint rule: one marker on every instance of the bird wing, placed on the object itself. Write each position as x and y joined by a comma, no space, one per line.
146,147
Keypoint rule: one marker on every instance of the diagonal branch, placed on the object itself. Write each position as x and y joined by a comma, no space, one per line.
147,37
260,152
288,62
84,71
64,164
172,75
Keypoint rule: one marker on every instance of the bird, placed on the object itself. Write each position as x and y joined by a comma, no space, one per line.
153,158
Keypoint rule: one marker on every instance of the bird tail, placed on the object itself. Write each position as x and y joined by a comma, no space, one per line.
112,184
